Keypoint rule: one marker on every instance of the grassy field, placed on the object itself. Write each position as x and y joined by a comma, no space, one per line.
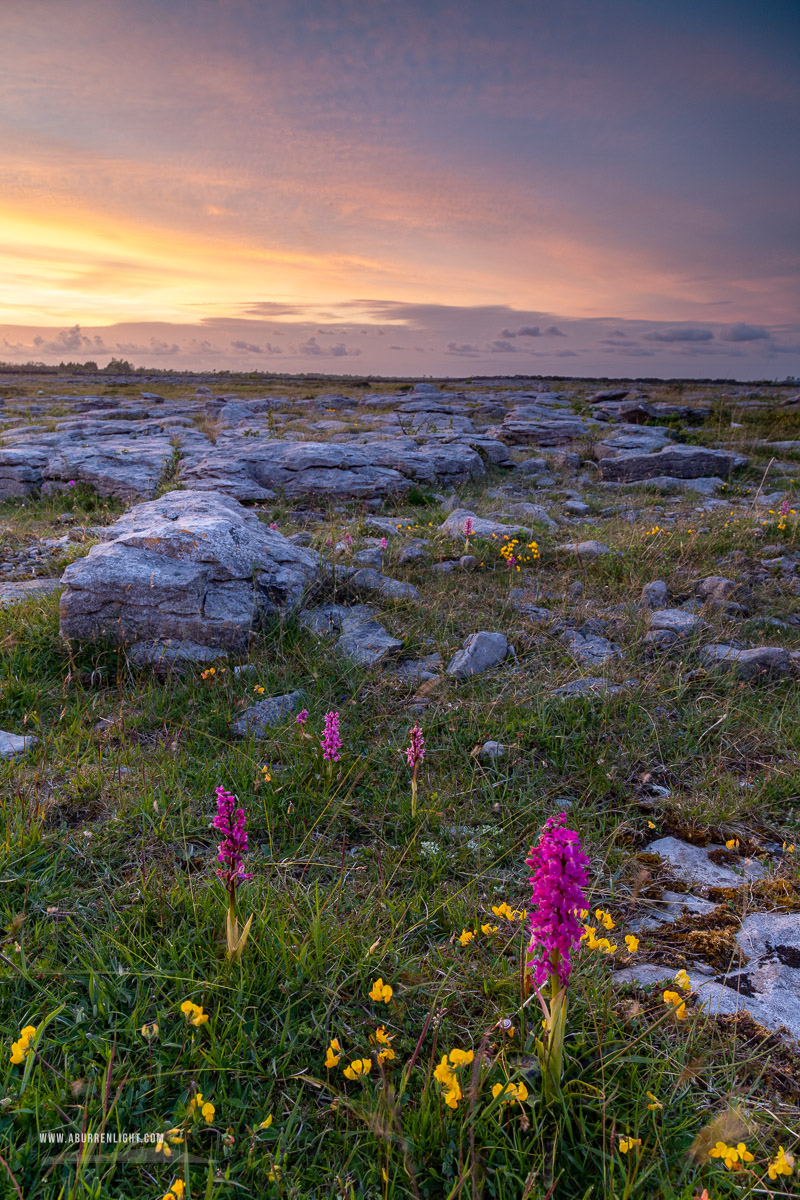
113,915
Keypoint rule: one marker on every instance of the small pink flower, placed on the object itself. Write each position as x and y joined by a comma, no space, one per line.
331,740
71,483
274,525
383,543
784,508
468,527
415,752
302,717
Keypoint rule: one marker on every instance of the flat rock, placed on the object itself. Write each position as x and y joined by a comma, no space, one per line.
15,593
361,638
264,715
712,996
172,654
14,744
675,620
588,686
692,865
759,662
491,751
684,462
419,670
585,550
453,526
590,649
481,651
188,567
670,908
368,581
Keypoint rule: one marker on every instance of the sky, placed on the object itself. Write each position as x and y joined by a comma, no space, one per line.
403,187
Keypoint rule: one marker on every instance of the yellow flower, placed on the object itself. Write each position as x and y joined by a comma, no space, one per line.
732,844
461,1058
386,1055
788,847
21,1048
502,910
743,1152
728,1154
445,1073
487,929
162,1147
680,1007
382,1038
632,943
209,674
655,1102
265,771
208,1111
605,918
510,1092
683,981
358,1067
259,689
333,1054
381,992
629,1143
193,1013
781,1164
466,936
149,1031
265,1124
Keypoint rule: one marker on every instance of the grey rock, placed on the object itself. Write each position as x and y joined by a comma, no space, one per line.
361,638
468,562
715,998
590,687
590,649
759,662
453,526
444,568
15,593
532,466
419,670
692,865
415,551
168,654
576,508
481,651
670,908
187,567
587,551
655,594
714,588
371,557
492,751
684,462
372,583
14,744
675,620
264,715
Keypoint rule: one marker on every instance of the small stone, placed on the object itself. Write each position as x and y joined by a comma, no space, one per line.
675,620
576,508
260,717
575,590
481,651
492,750
419,670
655,594
443,568
585,550
468,562
760,662
590,686
14,744
692,865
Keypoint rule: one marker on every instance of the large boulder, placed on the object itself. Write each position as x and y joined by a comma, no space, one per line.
682,462
190,566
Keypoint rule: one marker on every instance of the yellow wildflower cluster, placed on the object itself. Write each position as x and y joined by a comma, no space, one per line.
358,1068
194,1013
626,1144
206,1108
509,914
589,935
511,1092
446,1074
21,1049
176,1191
381,992
384,1040
209,673
781,1164
333,1054
733,1156
677,1000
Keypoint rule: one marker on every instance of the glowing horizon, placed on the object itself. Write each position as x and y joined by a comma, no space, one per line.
171,165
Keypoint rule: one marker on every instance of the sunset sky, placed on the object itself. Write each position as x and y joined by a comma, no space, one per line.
403,187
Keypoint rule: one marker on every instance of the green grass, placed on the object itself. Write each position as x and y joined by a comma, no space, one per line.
113,914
